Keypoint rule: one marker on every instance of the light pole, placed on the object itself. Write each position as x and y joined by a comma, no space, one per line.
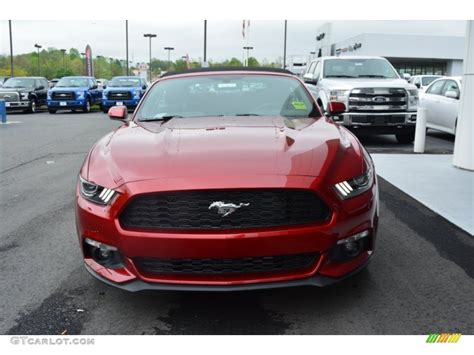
126,45
11,48
38,47
205,41
83,63
64,63
284,45
169,49
150,36
248,49
99,57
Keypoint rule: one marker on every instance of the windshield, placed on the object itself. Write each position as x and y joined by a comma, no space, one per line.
19,83
72,82
358,68
427,80
228,95
124,82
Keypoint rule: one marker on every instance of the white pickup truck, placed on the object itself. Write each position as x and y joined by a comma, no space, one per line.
377,100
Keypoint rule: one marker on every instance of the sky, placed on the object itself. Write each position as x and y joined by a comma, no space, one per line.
107,38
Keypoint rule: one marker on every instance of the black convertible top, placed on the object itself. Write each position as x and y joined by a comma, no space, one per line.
218,69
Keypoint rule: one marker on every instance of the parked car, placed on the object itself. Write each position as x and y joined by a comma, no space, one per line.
226,190
102,83
3,79
24,93
123,90
53,82
441,100
378,101
422,81
74,92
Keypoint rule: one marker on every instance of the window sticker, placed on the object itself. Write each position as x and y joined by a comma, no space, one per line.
299,105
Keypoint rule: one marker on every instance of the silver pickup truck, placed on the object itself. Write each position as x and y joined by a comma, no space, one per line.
377,100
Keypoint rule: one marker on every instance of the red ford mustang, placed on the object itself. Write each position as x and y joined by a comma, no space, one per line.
226,180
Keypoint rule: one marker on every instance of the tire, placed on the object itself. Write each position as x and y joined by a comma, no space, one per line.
32,106
87,106
105,110
405,138
52,111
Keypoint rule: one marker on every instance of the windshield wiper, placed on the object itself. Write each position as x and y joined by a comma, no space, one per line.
247,114
340,76
372,76
162,118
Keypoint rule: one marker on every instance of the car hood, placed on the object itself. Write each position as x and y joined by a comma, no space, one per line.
122,88
2,89
224,146
72,88
348,84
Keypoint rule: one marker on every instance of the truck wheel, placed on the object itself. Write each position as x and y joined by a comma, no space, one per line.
52,111
405,138
105,110
87,106
32,106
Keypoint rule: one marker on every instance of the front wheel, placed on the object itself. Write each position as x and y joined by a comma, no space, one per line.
32,106
405,138
87,106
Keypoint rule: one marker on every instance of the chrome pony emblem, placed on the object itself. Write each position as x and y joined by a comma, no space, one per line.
379,99
225,209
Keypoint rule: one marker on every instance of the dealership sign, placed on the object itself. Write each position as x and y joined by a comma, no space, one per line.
89,66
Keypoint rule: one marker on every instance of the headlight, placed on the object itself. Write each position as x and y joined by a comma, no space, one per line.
96,193
356,186
412,98
136,94
104,95
338,95
80,95
24,95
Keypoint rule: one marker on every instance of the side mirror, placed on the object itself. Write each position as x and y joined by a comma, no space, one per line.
336,108
144,87
93,87
104,86
418,85
452,94
41,87
406,76
118,113
310,79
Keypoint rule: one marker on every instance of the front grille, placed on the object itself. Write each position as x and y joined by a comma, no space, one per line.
378,120
248,265
9,96
63,95
191,209
378,100
120,95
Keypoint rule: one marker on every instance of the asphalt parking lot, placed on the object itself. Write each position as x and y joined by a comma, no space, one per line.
420,280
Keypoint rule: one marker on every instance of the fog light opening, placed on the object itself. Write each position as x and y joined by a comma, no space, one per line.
105,255
350,247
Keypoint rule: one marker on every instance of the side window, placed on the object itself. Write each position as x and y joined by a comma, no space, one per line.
436,88
45,83
450,86
317,70
311,67
93,83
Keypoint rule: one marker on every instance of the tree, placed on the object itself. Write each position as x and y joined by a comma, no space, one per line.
253,62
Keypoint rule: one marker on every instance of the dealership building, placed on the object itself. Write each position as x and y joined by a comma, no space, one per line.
412,54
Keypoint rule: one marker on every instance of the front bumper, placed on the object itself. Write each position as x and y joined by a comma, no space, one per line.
128,103
16,105
101,224
65,104
378,123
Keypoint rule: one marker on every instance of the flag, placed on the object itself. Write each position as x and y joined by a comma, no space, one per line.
243,28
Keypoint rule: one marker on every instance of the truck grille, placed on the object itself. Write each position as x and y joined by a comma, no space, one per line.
248,265
378,100
63,95
120,95
190,210
9,96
